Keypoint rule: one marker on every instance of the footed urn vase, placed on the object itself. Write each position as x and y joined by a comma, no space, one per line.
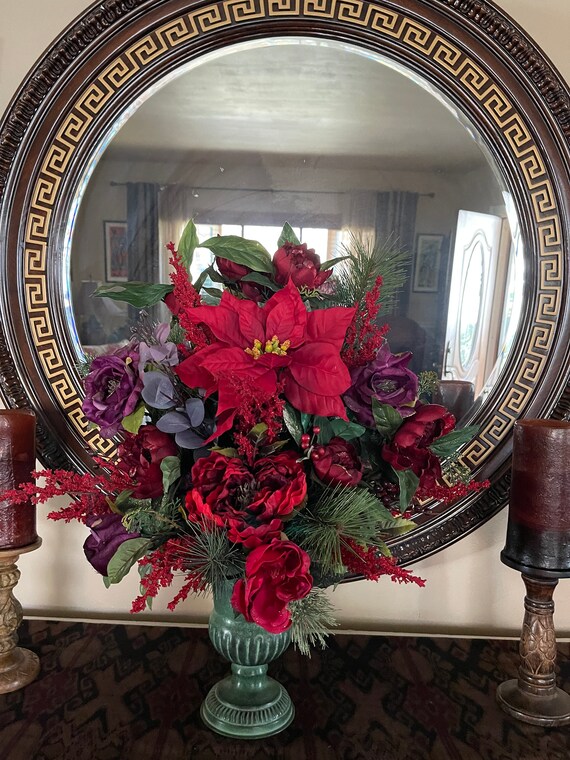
248,704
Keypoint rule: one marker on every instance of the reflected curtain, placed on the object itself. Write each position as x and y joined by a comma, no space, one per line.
396,223
142,234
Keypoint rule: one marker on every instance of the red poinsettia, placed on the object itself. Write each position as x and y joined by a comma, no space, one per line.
279,341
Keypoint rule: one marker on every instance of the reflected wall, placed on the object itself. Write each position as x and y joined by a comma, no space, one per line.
333,140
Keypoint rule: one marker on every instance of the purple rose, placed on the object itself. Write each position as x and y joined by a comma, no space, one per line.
112,389
388,380
107,534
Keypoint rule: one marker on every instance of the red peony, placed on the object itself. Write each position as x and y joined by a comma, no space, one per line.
140,456
279,341
337,463
409,448
301,265
251,502
275,574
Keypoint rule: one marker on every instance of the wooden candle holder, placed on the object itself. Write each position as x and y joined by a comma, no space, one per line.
18,666
534,697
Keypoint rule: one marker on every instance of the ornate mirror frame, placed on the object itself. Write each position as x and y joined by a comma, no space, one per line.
472,52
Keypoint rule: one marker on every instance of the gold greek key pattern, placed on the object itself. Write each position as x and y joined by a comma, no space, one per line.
356,14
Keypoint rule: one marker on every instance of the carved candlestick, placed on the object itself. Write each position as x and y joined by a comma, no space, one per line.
538,545
534,696
18,666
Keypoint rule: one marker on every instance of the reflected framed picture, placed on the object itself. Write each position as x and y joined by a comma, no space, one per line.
427,263
116,263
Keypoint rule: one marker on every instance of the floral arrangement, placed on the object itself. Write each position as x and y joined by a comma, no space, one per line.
268,436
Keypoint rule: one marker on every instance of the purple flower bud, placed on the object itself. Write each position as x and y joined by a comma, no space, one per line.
107,534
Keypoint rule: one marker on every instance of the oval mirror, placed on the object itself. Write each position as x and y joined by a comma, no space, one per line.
413,123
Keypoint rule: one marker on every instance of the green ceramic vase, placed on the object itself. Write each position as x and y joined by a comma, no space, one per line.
248,704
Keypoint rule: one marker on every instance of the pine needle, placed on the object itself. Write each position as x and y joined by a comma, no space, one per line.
311,621
367,262
209,552
322,528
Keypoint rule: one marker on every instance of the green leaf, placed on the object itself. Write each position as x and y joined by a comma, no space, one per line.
306,421
409,482
214,292
258,432
261,279
188,243
448,444
249,253
273,447
326,430
227,452
106,581
331,262
292,420
125,557
347,430
133,421
139,294
287,236
170,467
387,419
208,272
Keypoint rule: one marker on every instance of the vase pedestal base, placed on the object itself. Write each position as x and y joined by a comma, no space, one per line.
247,705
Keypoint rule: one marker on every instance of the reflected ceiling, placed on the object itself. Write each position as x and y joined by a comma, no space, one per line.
249,100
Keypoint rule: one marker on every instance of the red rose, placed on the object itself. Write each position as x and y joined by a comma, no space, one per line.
338,463
233,495
230,270
140,456
300,264
409,449
275,574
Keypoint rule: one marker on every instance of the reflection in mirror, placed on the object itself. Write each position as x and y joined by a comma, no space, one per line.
331,139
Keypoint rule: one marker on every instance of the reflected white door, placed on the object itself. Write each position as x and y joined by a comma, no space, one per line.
470,340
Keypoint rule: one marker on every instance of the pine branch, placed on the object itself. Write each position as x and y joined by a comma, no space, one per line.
338,515
311,621
367,262
209,553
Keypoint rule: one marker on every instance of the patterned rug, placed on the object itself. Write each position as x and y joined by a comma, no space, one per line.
134,692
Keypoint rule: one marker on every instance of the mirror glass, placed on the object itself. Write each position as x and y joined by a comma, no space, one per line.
334,140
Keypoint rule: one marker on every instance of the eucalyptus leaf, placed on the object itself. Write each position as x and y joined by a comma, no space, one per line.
261,279
248,253
125,557
448,444
187,244
138,294
409,482
170,467
292,420
387,419
133,421
287,236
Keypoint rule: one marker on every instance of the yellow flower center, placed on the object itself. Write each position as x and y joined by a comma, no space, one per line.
271,347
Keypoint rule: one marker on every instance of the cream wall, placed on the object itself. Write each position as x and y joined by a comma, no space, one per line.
468,590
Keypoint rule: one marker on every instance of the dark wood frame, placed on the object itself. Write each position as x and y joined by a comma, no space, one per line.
470,50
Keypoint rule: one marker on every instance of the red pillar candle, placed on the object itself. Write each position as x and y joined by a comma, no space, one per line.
17,461
538,530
